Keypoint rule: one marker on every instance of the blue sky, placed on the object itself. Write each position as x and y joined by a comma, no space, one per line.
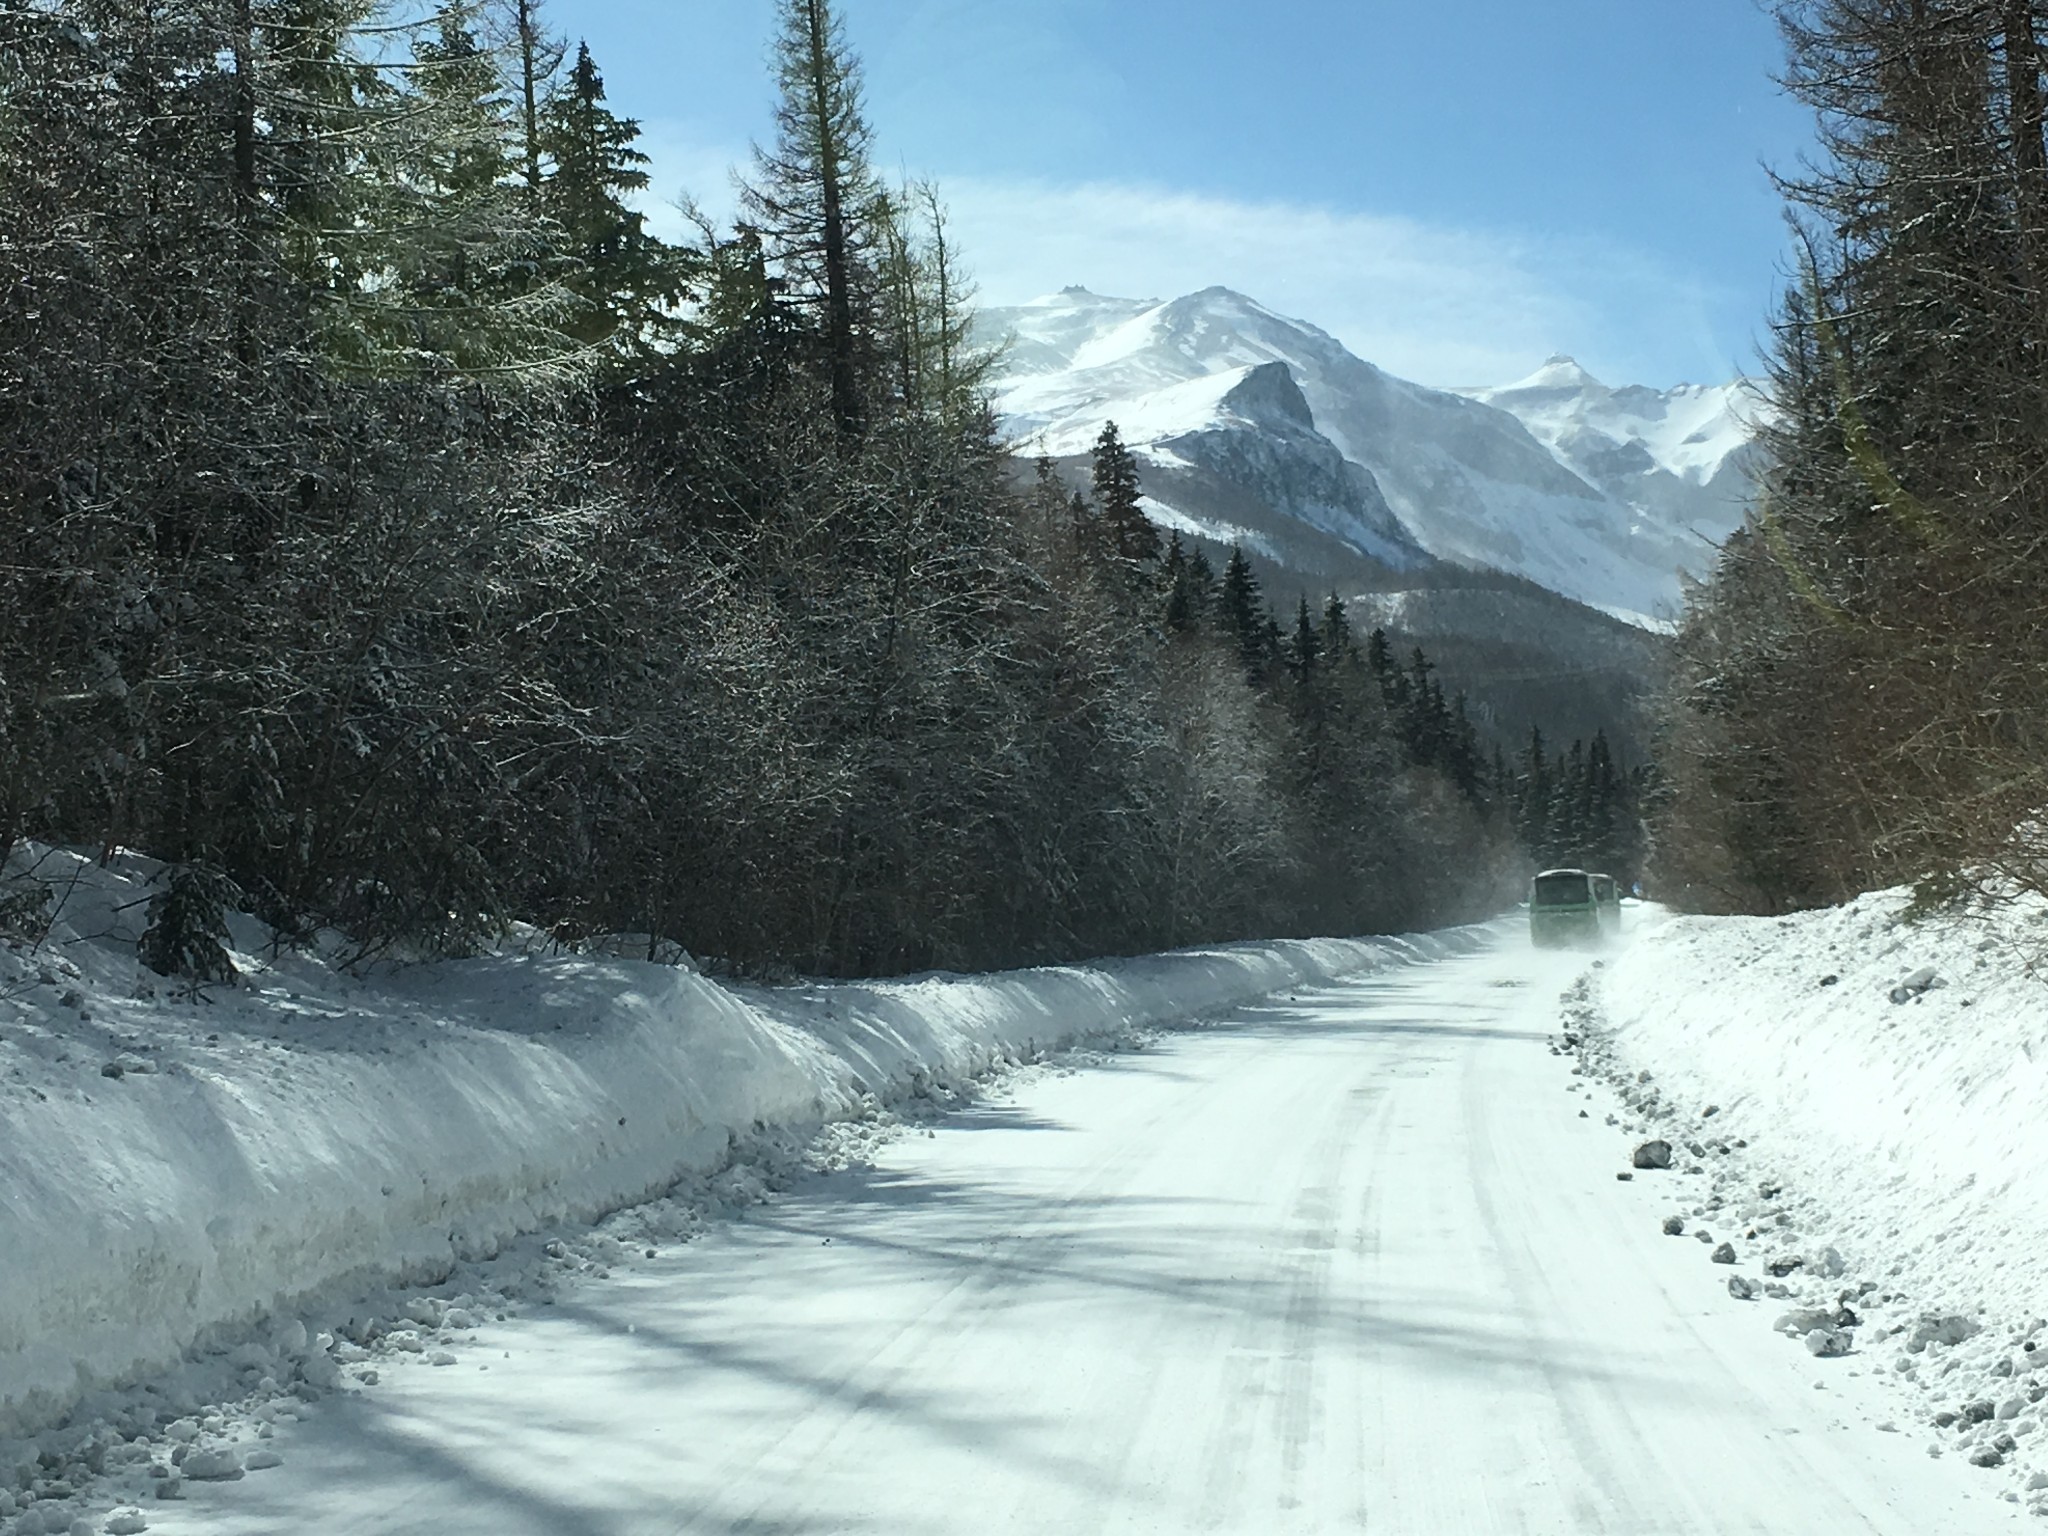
1457,190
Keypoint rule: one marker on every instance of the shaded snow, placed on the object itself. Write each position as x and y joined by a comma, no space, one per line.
308,1132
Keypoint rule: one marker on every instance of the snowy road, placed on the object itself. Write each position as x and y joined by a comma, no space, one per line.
1347,1262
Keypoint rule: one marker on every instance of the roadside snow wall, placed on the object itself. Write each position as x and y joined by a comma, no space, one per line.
1892,1074
174,1165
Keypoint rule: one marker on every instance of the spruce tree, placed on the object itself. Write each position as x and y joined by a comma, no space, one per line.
1304,646
449,254
1131,536
1337,644
1180,612
1533,826
1241,611
626,278
814,194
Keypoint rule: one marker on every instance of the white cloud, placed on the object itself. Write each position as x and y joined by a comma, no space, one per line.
1438,305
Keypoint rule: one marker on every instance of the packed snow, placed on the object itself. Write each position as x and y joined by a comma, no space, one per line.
1863,1093
1346,1256
189,1172
1448,1234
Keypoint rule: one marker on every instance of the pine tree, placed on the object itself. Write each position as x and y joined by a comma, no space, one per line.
1602,817
1337,644
1379,662
329,134
1304,647
1132,538
1565,836
814,195
1533,826
1241,611
1181,612
626,278
434,259
1464,764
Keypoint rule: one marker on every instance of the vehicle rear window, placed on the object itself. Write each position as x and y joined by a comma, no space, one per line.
1561,890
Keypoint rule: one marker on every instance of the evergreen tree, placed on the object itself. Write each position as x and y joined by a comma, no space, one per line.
1132,538
1846,703
433,258
1304,647
1565,836
1202,582
626,278
1241,611
1464,764
1182,613
328,595
539,56
1393,684
814,194
1534,811
1337,643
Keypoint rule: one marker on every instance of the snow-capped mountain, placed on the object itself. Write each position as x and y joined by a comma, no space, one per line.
1684,455
1604,496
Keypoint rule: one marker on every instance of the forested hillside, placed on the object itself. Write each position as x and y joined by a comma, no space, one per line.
400,539
1859,697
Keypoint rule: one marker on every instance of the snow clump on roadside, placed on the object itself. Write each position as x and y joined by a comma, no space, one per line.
1869,1112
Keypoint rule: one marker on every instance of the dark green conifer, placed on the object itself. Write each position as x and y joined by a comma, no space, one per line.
1337,643
1130,534
1304,647
1240,609
627,278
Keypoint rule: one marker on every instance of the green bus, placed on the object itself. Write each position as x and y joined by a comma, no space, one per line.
1573,906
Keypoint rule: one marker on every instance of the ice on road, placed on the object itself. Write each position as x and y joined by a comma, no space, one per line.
1347,1261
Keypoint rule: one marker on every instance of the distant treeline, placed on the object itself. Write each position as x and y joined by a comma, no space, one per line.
1861,692
399,538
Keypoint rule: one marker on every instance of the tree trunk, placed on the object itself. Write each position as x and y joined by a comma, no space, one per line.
846,411
529,85
245,109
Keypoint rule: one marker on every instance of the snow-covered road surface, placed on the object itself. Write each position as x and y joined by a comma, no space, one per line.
1347,1261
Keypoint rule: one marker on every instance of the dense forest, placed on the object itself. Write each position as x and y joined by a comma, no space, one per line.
1860,695
401,540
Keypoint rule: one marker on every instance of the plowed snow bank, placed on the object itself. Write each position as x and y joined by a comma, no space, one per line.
1879,1087
173,1164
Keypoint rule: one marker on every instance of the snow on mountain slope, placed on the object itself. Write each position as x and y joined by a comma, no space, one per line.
1682,455
1239,450
1467,480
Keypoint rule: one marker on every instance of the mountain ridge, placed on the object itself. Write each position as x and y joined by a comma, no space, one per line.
1606,496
